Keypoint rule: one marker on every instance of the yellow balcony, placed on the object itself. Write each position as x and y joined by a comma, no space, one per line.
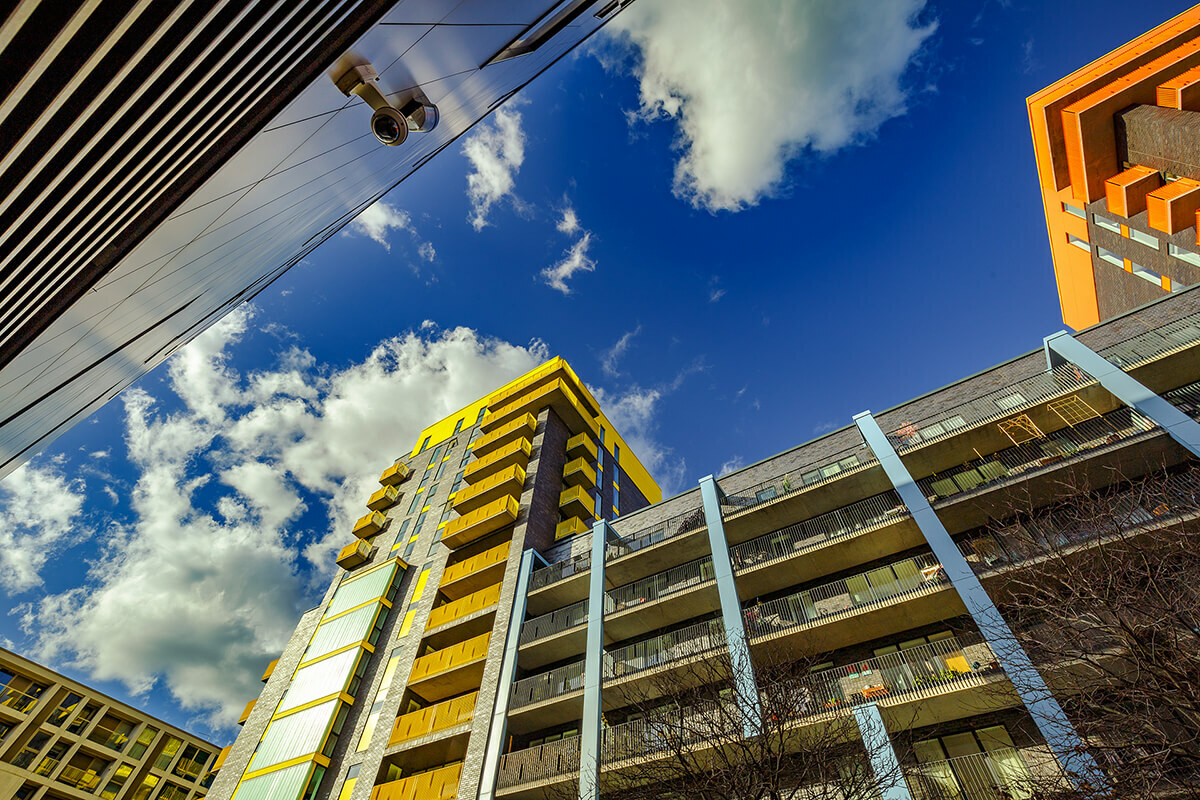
221,756
270,670
386,497
582,445
369,525
437,784
452,670
477,601
396,473
557,395
246,712
579,473
514,453
354,555
556,369
570,527
576,502
480,522
507,483
476,572
425,721
519,428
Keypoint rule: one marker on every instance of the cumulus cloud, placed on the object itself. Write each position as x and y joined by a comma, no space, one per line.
377,220
617,351
39,512
496,151
752,86
575,259
203,585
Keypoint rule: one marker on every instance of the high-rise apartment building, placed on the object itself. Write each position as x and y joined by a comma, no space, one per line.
1118,166
61,740
513,658
164,162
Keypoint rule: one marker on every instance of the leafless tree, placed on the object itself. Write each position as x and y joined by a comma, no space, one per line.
1102,588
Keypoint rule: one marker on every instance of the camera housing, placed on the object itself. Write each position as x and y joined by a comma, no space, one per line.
389,124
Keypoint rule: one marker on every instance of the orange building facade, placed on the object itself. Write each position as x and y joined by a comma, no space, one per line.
1118,156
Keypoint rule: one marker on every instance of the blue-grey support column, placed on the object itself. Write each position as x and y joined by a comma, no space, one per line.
1128,390
1056,729
593,666
888,775
731,610
508,671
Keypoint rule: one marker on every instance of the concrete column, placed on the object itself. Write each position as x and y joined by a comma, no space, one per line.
508,672
591,735
1055,728
1125,388
884,764
731,610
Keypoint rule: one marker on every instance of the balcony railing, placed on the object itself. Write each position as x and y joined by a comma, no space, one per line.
694,640
1186,399
902,578
1153,344
844,462
1044,451
669,729
557,621
18,700
536,688
430,720
541,763
853,519
646,590
685,522
999,774
1012,399
560,570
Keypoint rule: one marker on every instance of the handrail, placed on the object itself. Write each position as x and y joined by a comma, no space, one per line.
666,648
546,685
1151,345
661,584
557,621
847,461
540,763
684,522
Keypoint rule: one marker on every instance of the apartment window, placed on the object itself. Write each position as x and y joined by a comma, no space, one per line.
403,530
416,503
424,444
420,520
1074,211
441,469
168,753
1183,255
336,731
1110,257
1106,223
482,411
191,762
599,506
148,784
1144,238
119,777
171,791
80,722
458,426
143,743
1147,275
617,453
433,458
601,435
1082,244
60,714
458,479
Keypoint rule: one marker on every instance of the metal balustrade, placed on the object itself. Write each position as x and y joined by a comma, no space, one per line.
664,649
685,522
995,405
670,728
858,591
560,570
1154,344
999,774
1046,450
845,462
536,688
541,763
1186,399
662,584
855,518
557,621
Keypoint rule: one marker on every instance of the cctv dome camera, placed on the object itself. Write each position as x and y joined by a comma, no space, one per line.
389,126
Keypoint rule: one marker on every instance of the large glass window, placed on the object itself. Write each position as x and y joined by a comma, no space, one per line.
114,785
168,753
1082,244
59,715
1143,238
1183,255
1110,257
148,784
143,743
1074,211
1147,275
1106,223
191,762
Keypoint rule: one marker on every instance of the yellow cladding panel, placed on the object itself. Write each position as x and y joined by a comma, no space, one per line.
505,483
582,445
579,473
386,497
434,718
576,502
270,670
475,563
437,784
246,712
477,601
515,452
354,555
396,473
557,394
224,754
369,525
480,523
570,527
450,657
521,428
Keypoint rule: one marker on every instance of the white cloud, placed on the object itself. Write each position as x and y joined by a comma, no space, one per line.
377,219
617,351
39,510
496,151
575,259
753,86
200,589
569,224
101,453
427,252
732,465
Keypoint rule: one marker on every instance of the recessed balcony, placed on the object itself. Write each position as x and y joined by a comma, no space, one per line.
436,784
475,573
576,502
463,617
582,445
481,522
451,670
395,474
506,483
515,453
519,428
438,717
579,473
386,497
354,555
369,525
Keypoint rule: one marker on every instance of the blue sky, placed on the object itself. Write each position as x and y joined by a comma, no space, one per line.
737,242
